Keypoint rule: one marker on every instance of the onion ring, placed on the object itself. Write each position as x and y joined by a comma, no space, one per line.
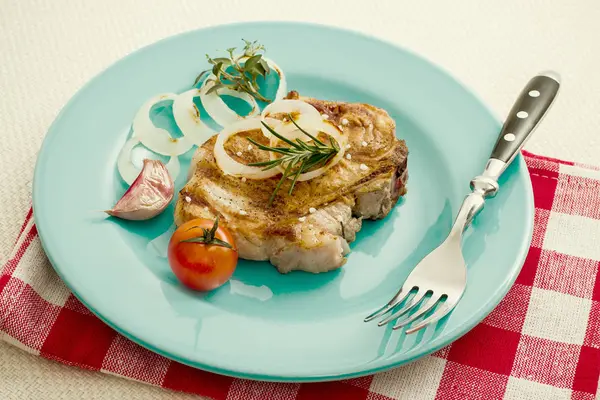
187,117
157,139
282,87
216,107
231,167
309,118
129,172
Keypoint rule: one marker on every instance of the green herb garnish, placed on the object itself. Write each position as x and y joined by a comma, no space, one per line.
244,72
208,236
298,158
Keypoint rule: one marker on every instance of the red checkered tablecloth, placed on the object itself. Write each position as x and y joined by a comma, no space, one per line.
541,342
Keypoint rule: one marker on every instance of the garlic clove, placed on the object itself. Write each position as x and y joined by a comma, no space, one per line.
148,195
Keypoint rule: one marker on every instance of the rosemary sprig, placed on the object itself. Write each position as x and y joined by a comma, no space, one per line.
242,77
208,236
298,158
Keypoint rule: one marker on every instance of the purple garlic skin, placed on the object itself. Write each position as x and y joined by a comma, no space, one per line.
148,195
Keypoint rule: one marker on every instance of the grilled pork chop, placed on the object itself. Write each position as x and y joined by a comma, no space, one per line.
287,234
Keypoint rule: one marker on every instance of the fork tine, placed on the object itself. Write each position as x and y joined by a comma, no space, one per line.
413,302
397,299
428,306
439,314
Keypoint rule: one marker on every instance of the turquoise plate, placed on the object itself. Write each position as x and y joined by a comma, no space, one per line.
263,325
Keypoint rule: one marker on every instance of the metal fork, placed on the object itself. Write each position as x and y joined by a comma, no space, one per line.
443,272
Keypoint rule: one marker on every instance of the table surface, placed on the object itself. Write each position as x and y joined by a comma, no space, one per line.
51,48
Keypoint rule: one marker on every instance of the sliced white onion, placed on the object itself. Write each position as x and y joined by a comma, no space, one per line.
329,129
129,172
288,131
157,139
227,164
187,117
216,107
308,119
282,88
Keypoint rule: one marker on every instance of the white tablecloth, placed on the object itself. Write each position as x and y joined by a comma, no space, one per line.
50,48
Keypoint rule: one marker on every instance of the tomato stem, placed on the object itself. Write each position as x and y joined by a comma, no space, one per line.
208,236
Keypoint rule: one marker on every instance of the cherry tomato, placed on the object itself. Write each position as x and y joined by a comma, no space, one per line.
199,265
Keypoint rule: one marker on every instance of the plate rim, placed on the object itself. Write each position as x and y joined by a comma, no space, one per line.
464,328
